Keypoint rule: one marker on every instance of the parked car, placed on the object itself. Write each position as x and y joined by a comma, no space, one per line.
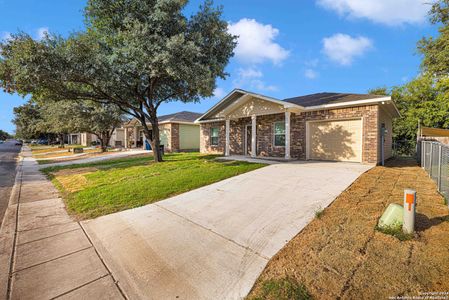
19,143
42,142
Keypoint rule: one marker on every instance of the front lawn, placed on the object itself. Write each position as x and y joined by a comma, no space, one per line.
96,189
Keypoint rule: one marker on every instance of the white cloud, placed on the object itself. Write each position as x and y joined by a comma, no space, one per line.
256,42
219,93
343,49
262,86
310,74
41,32
249,73
252,78
5,36
389,12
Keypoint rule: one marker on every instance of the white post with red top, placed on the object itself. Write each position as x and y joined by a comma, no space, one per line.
409,211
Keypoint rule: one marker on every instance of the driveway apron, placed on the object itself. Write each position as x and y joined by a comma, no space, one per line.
213,242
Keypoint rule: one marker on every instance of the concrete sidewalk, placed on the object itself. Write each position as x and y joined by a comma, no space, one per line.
44,254
95,159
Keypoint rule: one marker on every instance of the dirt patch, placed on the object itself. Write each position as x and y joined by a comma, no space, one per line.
341,255
73,180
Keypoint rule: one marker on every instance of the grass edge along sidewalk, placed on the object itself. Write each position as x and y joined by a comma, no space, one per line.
95,189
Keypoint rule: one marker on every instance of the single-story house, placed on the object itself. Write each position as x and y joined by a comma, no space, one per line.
322,126
178,132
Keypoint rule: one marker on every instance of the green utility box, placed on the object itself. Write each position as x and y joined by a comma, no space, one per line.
393,216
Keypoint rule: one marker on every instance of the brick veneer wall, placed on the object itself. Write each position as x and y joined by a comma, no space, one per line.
205,146
265,132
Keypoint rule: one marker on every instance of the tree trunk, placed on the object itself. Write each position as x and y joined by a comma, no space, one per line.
154,138
61,140
105,137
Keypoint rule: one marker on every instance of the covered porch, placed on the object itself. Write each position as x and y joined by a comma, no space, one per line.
250,125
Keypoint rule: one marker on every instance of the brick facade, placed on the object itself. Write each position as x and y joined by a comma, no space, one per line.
265,132
205,145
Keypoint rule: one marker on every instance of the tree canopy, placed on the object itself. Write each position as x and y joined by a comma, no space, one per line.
136,54
4,135
36,118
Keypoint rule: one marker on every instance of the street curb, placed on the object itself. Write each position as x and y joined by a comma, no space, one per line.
8,231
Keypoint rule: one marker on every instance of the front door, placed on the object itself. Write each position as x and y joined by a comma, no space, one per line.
248,135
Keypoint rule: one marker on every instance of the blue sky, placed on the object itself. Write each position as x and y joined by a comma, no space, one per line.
286,48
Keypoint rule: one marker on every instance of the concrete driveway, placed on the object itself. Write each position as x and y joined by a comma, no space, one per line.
213,242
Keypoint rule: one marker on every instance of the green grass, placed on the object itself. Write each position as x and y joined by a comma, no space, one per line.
282,289
319,213
119,184
396,231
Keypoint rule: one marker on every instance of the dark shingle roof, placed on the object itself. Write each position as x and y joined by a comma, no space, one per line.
183,116
328,98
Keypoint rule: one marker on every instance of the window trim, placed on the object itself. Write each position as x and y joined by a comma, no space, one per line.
274,134
218,136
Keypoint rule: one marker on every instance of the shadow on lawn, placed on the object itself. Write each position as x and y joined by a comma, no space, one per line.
423,222
122,163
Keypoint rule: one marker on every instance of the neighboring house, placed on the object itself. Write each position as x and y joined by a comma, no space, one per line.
323,126
178,132
86,139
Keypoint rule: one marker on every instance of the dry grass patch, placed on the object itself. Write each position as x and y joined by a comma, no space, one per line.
74,180
341,255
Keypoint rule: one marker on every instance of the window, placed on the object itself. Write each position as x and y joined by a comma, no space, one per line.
279,134
214,136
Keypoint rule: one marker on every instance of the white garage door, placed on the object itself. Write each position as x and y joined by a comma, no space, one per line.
335,140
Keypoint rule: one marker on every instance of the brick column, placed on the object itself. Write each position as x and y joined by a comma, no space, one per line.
287,135
253,136
228,125
126,138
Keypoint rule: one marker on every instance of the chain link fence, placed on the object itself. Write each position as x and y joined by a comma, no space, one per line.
434,158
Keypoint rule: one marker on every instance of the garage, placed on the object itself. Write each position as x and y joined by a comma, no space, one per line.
336,140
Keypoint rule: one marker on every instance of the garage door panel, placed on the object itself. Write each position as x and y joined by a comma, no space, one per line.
335,140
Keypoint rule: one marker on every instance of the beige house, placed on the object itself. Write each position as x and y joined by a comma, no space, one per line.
178,132
323,126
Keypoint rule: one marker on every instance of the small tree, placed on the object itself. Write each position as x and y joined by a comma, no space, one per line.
38,117
4,135
27,119
136,54
99,119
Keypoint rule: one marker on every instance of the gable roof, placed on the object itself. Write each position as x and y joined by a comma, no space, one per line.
303,103
235,95
180,117
329,98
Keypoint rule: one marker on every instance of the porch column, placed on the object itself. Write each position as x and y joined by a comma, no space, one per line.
135,136
126,138
253,136
228,126
287,135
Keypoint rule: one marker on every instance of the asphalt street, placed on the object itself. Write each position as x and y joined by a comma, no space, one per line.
8,156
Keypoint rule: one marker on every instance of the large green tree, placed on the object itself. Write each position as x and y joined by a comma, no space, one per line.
136,54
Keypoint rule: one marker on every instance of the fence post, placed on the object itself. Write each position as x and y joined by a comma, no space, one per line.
423,151
430,160
440,158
